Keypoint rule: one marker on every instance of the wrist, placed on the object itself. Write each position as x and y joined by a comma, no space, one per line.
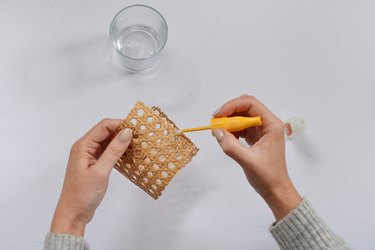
68,224
282,200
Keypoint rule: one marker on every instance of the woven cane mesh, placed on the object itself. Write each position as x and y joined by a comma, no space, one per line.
157,152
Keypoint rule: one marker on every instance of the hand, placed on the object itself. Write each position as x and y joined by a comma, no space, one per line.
87,175
264,161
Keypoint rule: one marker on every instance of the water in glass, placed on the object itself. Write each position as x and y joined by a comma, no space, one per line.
138,42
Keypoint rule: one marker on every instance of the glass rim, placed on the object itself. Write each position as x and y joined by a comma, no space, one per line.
132,6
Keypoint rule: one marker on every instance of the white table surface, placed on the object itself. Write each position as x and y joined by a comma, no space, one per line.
311,58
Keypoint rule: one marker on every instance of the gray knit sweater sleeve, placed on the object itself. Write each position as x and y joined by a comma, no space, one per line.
300,229
304,229
64,242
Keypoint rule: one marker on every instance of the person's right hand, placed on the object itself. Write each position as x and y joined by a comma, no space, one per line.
264,161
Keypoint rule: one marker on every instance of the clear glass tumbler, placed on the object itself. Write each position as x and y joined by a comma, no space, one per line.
139,34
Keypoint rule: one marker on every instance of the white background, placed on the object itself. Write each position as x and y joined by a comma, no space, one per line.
312,58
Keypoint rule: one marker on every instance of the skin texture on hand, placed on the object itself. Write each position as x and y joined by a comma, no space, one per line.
87,174
264,161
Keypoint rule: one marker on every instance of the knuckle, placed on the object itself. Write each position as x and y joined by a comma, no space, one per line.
251,98
244,96
279,127
113,150
77,147
248,98
228,147
105,121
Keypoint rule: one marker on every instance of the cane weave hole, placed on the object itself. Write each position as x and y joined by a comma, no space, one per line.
157,152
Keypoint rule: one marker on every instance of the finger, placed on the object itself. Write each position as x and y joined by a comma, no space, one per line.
250,106
102,130
238,134
231,145
243,104
251,135
115,149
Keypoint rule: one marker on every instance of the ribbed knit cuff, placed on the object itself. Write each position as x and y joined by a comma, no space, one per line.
64,242
302,228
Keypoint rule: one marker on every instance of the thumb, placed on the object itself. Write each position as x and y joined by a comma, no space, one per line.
231,145
115,149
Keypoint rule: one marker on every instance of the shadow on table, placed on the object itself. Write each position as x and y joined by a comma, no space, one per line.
75,66
173,83
80,66
307,146
156,224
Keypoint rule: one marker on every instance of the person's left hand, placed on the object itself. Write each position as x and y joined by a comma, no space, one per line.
87,174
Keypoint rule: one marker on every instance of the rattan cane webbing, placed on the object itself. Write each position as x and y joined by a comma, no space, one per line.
157,152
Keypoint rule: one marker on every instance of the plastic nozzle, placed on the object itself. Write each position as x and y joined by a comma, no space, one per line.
295,126
235,123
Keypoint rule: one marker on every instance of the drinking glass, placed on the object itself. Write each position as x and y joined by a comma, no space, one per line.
138,34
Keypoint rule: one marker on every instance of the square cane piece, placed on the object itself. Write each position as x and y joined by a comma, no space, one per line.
157,152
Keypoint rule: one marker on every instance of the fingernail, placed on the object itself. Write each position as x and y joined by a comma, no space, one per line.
218,133
216,111
125,135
